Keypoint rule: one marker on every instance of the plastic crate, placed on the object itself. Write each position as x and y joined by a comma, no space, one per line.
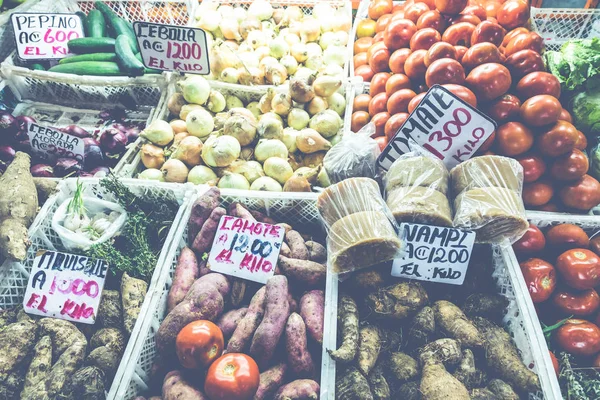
559,25
15,275
7,38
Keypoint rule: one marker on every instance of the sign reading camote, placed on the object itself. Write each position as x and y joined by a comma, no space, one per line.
444,125
246,249
45,36
51,144
65,286
435,254
173,48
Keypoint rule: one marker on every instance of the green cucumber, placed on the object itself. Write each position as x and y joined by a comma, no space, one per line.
117,24
146,69
90,57
102,68
96,24
126,57
91,45
37,67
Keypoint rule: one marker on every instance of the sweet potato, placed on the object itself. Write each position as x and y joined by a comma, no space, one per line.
244,331
444,350
482,394
403,367
229,321
422,328
369,345
316,251
133,293
293,303
110,313
398,301
300,389
35,380
502,390
456,325
378,384
297,245
204,239
409,391
63,333
298,356
391,339
285,250
286,227
62,371
352,385
106,359
238,291
186,272
312,310
18,207
201,210
260,217
439,384
489,305
467,373
203,268
277,310
303,271
175,387
270,380
348,320
238,210
88,384
109,337
16,342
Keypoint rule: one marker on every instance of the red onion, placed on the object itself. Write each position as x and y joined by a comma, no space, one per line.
23,120
23,145
67,166
42,171
75,131
84,174
7,154
8,125
113,140
132,134
120,127
93,156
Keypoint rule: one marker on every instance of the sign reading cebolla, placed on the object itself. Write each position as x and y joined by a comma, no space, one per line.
45,36
51,144
435,254
173,48
442,124
246,249
65,286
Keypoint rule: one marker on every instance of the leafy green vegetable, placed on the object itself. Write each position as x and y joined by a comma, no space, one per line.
576,63
578,383
595,162
585,108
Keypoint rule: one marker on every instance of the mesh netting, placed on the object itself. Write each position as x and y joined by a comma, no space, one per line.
173,12
558,25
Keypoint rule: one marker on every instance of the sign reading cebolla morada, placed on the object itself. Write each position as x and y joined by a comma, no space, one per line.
45,36
51,144
442,124
246,249
173,48
65,286
434,254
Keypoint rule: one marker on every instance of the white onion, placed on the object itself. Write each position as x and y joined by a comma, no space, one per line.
254,108
278,47
341,38
327,123
337,103
289,139
299,52
322,10
314,62
333,70
290,64
278,169
225,10
240,14
232,101
230,29
251,170
291,38
266,184
314,49
260,9
199,123
326,40
310,30
267,148
256,39
201,175
298,118
209,20
174,171
335,55
220,151
152,174
195,89
233,181
341,21
230,75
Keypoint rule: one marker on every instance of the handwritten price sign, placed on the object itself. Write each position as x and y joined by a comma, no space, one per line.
246,249
45,36
65,286
173,48
50,144
435,254
444,125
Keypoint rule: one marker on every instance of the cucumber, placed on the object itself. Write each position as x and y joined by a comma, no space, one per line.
146,69
37,67
91,45
102,68
117,24
90,57
126,57
96,24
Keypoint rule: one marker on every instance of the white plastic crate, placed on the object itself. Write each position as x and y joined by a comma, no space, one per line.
559,25
7,38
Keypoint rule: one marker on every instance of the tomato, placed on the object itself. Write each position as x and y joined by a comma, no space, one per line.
554,363
398,59
450,7
358,120
489,32
444,71
537,193
579,337
430,3
581,143
380,60
471,19
380,119
491,8
570,166
505,108
595,245
366,28
536,83
394,124
513,13
374,48
438,51
567,236
481,53
512,34
361,45
199,343
378,103
459,34
464,93
378,83
414,11
583,194
414,67
580,268
382,141
565,116
379,8
432,19
398,101
476,10
489,81
541,110
525,41
234,376
414,102
424,39
419,87
533,167
378,37
559,139
532,241
361,102
489,142
399,33
460,52
365,72
524,62
396,82
513,138
360,59
540,278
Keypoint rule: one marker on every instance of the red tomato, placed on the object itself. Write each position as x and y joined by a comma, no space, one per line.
380,60
559,139
489,81
382,141
532,241
491,8
524,62
513,138
595,245
414,102
536,83
358,120
580,268
471,19
444,71
432,19
512,34
398,34
234,376
380,119
533,167
549,207
505,108
460,52
398,101
394,124
578,304
397,60
481,53
583,194
565,116
379,8
579,337
199,343
489,142
450,7
531,41
567,236
378,103
570,166
554,363
541,110
395,83
464,93
365,72
382,22
360,59
424,39
540,278
488,31
438,51
581,143
476,10
361,102
459,34
414,67
537,193
513,13
378,83
361,45
414,11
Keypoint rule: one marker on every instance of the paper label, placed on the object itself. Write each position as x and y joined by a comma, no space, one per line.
173,48
45,36
65,286
434,254
246,249
51,144
442,124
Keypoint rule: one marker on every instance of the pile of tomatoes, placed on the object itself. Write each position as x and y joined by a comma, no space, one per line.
561,267
481,52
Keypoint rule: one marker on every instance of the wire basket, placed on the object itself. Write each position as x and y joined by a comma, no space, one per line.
559,25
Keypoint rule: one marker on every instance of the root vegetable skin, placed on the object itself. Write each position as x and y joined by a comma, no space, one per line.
185,274
317,252
369,345
455,323
39,367
205,237
247,326
348,319
398,301
229,321
299,358
300,389
298,248
403,366
201,210
467,373
312,310
305,271
352,385
379,386
422,328
439,384
133,293
60,374
444,350
502,390
270,380
16,341
239,211
176,388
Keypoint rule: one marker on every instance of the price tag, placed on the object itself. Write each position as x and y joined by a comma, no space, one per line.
444,125
246,249
435,254
51,144
173,48
65,286
45,36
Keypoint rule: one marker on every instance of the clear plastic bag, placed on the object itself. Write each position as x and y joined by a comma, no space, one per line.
354,156
488,198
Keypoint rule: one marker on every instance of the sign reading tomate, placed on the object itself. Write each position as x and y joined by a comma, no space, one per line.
444,125
65,286
173,48
246,249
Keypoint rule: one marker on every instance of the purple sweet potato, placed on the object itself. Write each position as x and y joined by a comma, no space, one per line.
298,248
202,209
238,291
204,239
203,268
293,303
175,387
301,389
277,310
317,252
312,311
285,250
296,346
185,274
260,217
304,271
286,227
270,381
238,210
247,326
229,321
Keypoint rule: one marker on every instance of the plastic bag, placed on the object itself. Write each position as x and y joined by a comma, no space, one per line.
361,229
488,198
354,156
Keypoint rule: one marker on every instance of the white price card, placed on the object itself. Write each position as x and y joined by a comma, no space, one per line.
442,124
45,36
173,48
246,249
65,286
51,144
434,254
